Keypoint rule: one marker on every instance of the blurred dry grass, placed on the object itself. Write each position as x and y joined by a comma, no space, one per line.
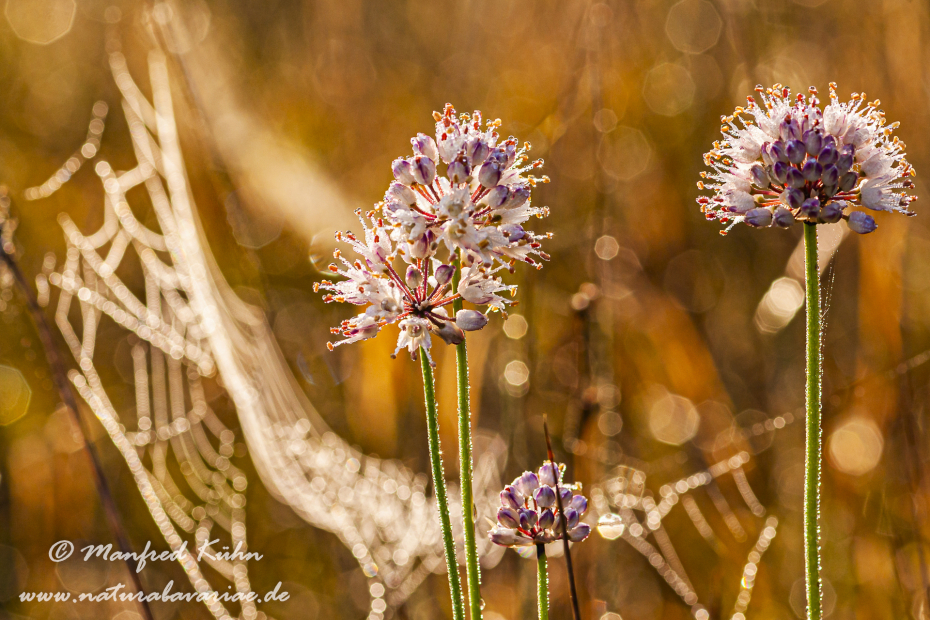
651,328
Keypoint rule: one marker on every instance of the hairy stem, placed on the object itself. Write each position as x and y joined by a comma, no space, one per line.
65,393
542,582
812,468
472,569
439,482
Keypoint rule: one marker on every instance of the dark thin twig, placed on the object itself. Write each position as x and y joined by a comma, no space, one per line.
564,523
66,394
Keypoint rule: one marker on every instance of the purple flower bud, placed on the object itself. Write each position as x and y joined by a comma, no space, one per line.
780,170
845,161
528,519
544,496
848,181
513,232
504,537
783,218
566,495
403,171
829,140
778,151
759,176
424,170
813,142
795,151
792,197
831,212
489,174
508,517
827,192
579,503
828,155
497,196
549,473
861,223
758,217
811,170
546,519
425,145
443,274
414,277
579,533
450,333
476,150
471,320
571,517
830,175
510,155
789,129
422,247
399,192
795,179
811,207
458,172
526,483
767,158
516,197
509,498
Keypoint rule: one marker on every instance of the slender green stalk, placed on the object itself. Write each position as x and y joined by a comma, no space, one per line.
439,482
812,468
472,569
542,578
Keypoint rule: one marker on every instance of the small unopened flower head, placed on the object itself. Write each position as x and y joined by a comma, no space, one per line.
462,203
785,159
529,512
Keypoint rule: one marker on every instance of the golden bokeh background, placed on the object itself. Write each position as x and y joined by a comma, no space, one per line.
648,340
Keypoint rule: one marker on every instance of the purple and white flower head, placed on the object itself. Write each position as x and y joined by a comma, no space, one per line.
461,202
470,190
787,160
529,512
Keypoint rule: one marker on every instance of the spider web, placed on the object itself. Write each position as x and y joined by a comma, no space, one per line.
190,327
620,496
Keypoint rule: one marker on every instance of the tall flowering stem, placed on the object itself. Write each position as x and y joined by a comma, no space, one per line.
472,569
453,221
439,483
784,160
542,582
812,468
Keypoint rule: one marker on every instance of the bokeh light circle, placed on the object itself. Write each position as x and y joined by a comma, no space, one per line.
855,447
693,26
40,21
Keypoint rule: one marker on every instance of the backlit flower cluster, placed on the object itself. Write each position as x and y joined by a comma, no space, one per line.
786,160
529,512
460,202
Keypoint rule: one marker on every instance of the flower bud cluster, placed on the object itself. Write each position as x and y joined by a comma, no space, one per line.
529,512
789,161
460,202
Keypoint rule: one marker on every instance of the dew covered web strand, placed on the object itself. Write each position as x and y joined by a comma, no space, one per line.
622,494
191,326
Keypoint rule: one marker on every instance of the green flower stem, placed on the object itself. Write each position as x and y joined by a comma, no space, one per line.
812,468
439,482
542,577
472,569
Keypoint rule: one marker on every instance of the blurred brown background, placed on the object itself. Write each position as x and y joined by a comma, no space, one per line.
647,339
